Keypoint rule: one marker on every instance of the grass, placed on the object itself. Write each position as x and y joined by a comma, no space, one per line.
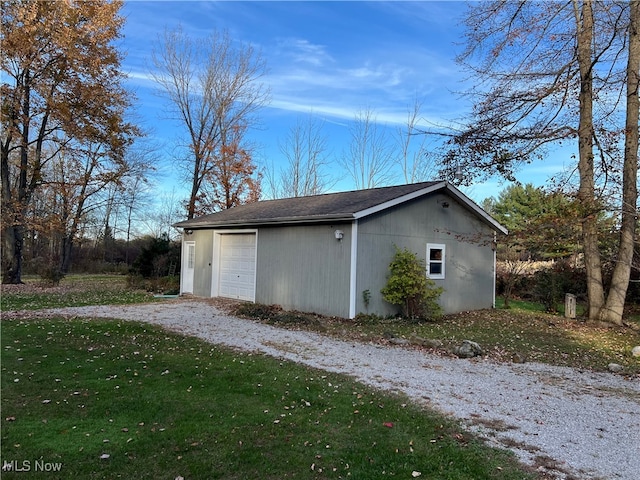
523,332
530,306
110,399
113,399
73,291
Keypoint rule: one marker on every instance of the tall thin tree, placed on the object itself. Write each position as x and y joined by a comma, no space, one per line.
416,161
305,149
370,155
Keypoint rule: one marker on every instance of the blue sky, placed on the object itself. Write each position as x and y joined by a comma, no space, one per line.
330,59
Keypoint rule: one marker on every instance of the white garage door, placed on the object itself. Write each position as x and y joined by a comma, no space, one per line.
238,266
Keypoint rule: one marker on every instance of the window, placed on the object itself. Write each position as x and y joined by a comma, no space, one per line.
191,255
435,260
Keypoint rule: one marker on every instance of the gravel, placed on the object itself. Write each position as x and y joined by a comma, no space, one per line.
564,422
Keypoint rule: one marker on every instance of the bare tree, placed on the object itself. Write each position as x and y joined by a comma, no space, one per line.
548,72
135,192
370,156
418,164
305,149
160,217
213,86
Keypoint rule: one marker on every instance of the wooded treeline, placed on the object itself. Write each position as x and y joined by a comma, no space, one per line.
65,133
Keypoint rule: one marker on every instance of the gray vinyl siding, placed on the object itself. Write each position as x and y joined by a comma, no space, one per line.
304,268
468,281
204,256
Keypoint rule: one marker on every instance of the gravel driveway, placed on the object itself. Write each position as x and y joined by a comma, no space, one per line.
573,424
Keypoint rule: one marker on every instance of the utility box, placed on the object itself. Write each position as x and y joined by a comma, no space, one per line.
570,305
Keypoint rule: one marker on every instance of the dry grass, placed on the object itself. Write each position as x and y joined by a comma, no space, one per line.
505,335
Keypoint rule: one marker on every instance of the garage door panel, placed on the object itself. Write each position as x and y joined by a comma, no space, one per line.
238,266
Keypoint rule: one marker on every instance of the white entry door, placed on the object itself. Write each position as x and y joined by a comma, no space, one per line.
188,266
238,266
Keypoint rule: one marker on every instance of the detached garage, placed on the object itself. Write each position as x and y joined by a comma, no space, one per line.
330,253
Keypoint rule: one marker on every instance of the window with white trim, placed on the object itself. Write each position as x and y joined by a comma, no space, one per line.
435,260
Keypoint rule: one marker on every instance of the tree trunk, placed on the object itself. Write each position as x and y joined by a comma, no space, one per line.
12,241
8,231
13,244
66,250
614,308
586,191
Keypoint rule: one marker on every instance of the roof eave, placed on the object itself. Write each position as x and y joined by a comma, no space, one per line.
267,222
348,217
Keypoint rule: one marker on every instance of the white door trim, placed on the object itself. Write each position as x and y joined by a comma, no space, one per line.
188,267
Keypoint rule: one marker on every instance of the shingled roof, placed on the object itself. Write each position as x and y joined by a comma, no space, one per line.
342,206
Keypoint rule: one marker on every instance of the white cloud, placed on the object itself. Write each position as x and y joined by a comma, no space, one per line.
305,52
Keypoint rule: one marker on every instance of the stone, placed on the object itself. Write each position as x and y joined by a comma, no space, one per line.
399,341
615,367
468,349
427,342
635,351
518,358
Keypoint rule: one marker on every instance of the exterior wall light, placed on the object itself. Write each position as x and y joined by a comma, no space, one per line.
338,234
458,175
188,232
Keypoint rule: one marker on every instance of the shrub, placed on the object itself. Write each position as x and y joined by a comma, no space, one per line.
156,257
258,310
52,275
408,286
551,284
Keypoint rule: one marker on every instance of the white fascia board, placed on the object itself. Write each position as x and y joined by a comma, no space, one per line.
271,222
397,201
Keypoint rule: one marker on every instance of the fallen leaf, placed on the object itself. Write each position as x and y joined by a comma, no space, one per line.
388,424
104,456
415,474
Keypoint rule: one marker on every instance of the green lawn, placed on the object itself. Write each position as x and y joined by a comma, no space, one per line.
73,291
114,399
